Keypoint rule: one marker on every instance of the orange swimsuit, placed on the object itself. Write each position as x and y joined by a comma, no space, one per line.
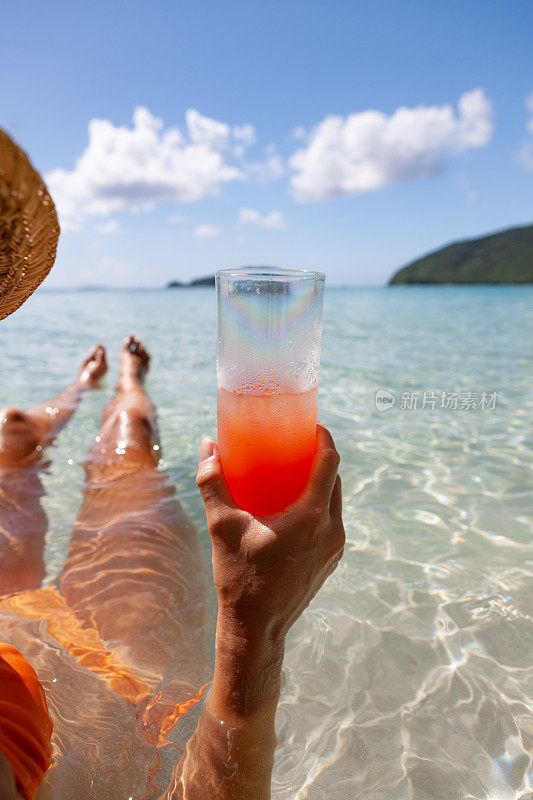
25,725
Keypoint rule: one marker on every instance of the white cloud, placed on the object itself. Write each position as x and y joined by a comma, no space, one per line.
299,132
108,227
526,152
271,169
245,134
274,220
245,137
369,150
205,231
129,169
206,130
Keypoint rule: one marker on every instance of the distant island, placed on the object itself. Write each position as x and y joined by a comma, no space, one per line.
504,257
209,280
266,287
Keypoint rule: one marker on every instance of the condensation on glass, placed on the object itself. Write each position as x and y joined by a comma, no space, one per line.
269,327
268,362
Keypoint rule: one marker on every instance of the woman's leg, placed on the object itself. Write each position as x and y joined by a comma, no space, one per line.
23,438
99,750
135,571
136,576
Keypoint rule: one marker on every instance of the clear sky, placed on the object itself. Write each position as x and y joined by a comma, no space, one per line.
178,137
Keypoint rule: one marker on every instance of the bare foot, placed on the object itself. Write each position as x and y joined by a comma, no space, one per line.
134,362
93,367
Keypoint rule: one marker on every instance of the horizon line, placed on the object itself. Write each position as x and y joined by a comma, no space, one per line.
159,287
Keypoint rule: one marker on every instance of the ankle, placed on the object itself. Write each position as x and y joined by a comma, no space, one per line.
129,386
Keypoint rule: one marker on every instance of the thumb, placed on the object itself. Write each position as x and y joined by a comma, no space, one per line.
211,481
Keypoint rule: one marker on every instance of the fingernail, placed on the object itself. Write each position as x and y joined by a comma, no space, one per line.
207,448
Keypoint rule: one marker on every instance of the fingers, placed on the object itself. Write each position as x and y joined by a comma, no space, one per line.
337,533
207,449
324,469
334,563
212,484
335,506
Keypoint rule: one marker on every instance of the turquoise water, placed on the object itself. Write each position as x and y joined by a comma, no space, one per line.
410,674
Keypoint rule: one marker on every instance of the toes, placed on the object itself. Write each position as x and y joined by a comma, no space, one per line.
134,345
89,357
96,353
99,353
141,352
101,359
94,365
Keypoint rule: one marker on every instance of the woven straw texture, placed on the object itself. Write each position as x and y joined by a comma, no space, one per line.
28,227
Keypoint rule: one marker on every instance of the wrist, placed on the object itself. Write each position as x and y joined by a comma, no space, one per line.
248,666
252,634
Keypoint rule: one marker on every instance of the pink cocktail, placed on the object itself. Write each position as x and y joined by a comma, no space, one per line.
267,370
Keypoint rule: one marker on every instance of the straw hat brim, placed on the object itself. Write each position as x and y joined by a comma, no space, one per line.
28,227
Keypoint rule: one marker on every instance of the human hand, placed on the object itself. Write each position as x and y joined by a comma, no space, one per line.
268,569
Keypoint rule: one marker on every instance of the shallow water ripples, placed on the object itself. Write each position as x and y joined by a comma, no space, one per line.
409,677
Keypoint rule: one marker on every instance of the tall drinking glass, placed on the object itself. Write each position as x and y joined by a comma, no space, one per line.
268,361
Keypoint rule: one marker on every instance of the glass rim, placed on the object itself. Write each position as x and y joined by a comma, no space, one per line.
269,273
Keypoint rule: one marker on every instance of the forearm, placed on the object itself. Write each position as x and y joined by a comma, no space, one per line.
266,571
230,755
247,668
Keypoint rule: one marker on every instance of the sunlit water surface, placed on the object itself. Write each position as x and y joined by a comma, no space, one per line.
410,674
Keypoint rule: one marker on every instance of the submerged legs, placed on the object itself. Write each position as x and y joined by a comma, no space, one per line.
135,570
23,438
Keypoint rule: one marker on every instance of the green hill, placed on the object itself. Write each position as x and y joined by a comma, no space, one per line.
195,284
505,257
